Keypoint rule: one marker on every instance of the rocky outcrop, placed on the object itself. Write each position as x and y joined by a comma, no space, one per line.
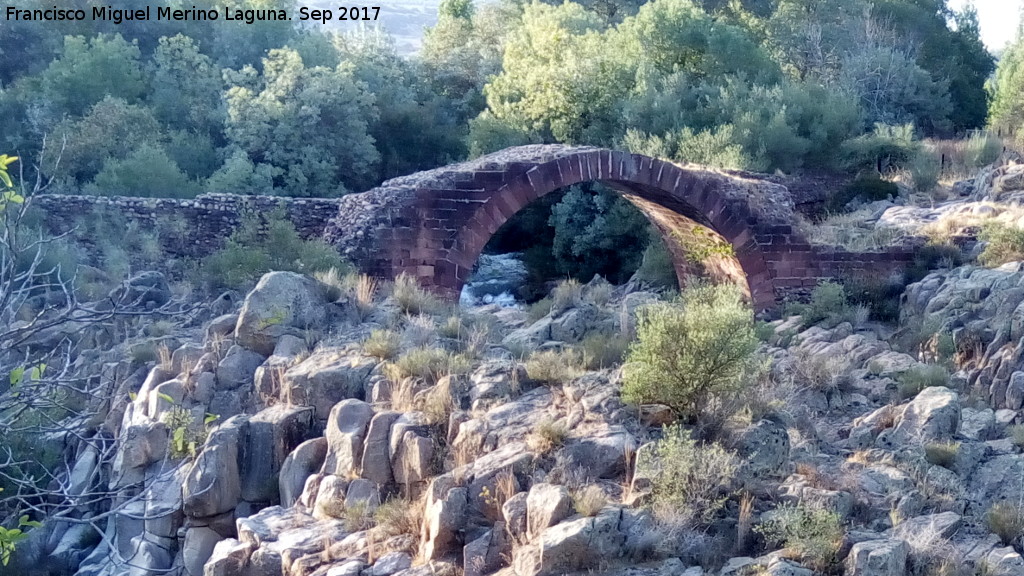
282,303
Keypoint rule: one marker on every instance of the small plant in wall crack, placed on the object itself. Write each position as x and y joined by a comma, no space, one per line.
186,436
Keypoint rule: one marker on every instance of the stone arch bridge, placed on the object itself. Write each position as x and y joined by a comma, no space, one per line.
732,226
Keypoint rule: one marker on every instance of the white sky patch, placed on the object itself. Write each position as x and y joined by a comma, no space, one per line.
998,19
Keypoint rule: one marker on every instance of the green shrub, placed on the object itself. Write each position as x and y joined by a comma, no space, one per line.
764,331
717,149
1016,433
656,267
453,328
866,188
690,350
261,244
147,171
688,480
918,378
429,364
925,170
1003,244
567,294
814,534
931,257
893,146
982,149
589,500
548,435
602,350
539,309
879,295
829,306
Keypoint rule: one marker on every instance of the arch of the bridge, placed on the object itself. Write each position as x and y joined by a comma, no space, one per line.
434,225
677,201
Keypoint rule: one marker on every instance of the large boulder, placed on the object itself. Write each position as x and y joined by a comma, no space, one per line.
149,557
281,303
237,368
933,415
303,462
326,378
878,558
998,480
764,447
444,516
413,459
600,453
229,558
546,505
272,434
376,459
197,549
144,290
213,485
346,430
1004,562
574,545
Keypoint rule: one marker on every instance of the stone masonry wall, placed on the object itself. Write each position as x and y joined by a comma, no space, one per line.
207,220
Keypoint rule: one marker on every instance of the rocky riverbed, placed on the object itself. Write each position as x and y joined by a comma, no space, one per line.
276,439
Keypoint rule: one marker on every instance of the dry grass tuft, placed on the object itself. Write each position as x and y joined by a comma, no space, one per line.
1005,520
553,367
413,298
383,344
547,436
567,294
852,231
589,500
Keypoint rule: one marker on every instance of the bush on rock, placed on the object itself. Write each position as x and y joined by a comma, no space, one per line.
691,350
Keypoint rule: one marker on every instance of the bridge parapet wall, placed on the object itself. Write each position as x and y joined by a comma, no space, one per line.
207,220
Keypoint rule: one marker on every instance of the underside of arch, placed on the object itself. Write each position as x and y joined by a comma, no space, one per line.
433,225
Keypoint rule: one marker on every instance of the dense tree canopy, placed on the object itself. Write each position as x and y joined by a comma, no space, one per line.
277,108
1008,86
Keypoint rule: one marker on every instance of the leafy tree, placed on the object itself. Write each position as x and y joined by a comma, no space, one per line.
112,128
187,87
412,131
560,79
237,46
310,126
85,72
1008,86
597,232
147,171
462,51
239,175
263,243
953,56
195,153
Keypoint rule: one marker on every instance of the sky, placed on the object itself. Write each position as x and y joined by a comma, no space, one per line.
998,18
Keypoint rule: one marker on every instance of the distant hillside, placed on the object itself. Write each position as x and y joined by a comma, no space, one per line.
405,20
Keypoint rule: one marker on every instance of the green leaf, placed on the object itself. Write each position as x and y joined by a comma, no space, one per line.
6,179
6,160
166,397
16,375
132,396
24,521
37,371
210,419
